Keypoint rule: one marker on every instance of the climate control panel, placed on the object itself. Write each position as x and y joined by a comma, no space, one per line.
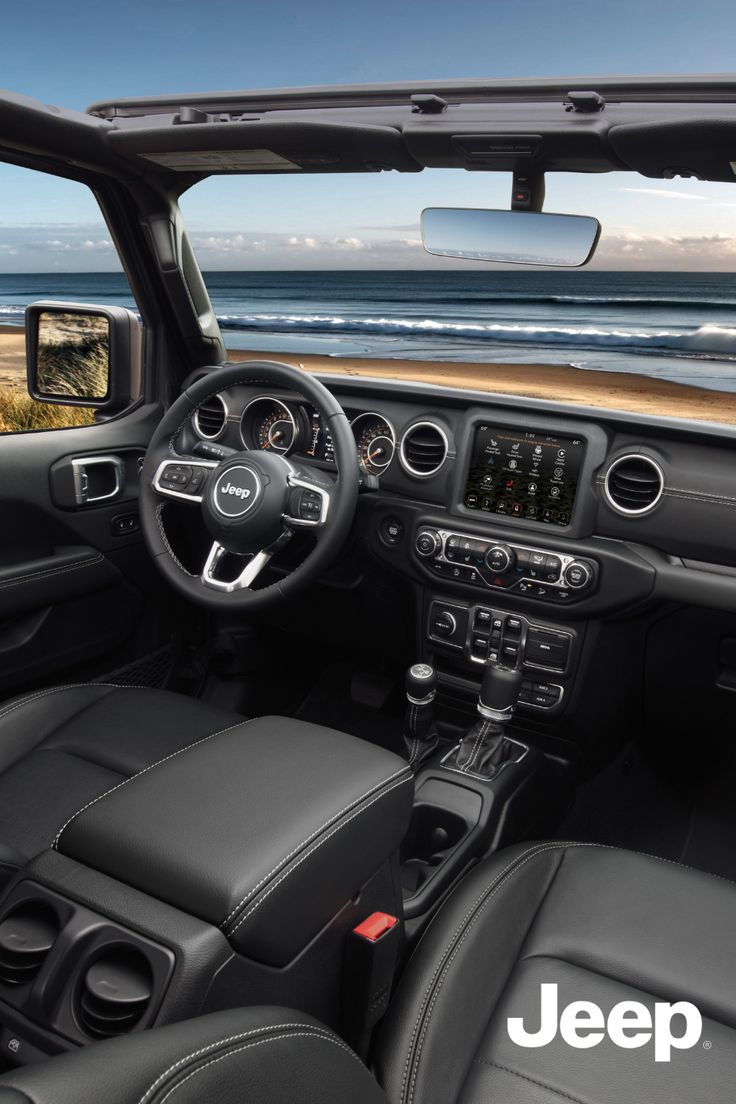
498,565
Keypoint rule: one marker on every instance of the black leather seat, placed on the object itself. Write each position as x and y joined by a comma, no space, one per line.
62,748
603,925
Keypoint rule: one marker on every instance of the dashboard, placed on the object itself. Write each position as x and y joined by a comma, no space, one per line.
512,522
647,505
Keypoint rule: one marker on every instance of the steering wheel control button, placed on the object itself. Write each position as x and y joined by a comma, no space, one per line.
237,491
310,505
427,543
175,477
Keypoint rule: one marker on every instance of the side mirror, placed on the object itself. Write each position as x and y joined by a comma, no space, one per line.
79,355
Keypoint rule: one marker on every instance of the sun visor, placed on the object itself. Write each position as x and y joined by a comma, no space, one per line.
704,149
265,147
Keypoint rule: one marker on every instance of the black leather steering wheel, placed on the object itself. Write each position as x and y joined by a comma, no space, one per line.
252,502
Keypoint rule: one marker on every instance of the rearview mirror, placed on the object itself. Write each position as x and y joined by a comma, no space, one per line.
510,237
79,355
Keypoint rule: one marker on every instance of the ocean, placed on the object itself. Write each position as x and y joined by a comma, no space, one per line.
677,326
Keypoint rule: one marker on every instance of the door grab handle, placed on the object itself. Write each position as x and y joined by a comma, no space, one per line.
80,467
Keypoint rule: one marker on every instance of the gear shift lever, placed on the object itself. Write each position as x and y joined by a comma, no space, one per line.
484,747
420,733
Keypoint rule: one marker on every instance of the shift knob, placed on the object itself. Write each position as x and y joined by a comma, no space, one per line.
421,683
499,692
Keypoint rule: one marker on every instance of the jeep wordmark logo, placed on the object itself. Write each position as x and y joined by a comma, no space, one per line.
629,1025
231,489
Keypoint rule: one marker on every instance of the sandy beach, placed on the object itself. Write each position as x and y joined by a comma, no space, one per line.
608,390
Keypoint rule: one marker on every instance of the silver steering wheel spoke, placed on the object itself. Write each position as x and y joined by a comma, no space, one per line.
183,478
252,569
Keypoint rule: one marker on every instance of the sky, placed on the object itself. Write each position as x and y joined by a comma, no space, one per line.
72,54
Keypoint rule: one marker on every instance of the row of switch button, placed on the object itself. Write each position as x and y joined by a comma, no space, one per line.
459,572
538,565
184,478
541,694
495,638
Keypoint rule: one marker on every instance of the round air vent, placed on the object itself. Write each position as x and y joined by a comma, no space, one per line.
424,449
634,484
116,990
209,418
26,937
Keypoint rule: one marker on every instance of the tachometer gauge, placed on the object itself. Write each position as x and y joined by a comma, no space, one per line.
376,441
268,424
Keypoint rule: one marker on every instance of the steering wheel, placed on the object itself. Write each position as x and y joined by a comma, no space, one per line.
252,502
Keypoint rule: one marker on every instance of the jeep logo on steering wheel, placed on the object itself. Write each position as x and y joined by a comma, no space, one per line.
237,491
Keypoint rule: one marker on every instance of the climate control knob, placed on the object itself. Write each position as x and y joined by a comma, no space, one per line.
428,542
578,575
500,558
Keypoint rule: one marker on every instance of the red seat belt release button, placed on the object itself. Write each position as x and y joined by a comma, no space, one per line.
376,925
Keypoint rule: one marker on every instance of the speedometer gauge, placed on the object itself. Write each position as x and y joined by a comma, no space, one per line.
268,424
376,441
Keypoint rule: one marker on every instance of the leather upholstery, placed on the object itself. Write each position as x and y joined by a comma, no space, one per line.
266,830
605,926
61,748
248,1056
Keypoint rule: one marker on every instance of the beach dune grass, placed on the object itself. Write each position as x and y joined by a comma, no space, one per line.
73,355
19,413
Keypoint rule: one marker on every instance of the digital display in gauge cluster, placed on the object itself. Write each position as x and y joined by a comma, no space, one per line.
520,474
319,445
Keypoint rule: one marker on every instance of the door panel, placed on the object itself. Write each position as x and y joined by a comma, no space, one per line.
76,581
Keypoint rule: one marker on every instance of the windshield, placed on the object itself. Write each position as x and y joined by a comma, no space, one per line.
334,267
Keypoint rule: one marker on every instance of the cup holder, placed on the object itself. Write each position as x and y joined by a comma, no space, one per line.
433,835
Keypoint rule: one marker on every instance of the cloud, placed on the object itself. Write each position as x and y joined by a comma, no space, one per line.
664,193
407,227
681,252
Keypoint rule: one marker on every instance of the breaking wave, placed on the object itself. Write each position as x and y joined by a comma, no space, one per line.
715,341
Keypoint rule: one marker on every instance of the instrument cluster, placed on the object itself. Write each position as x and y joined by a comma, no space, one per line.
298,429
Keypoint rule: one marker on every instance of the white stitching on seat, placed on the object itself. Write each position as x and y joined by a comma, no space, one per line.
218,1043
309,839
145,770
459,935
46,573
457,939
306,1034
60,689
257,904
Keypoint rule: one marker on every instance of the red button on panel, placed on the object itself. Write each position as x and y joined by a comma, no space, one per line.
377,924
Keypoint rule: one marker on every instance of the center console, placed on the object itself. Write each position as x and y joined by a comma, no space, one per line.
229,874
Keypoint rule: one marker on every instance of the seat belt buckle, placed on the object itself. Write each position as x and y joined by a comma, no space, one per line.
371,955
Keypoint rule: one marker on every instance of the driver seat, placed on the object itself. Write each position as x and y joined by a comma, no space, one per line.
62,748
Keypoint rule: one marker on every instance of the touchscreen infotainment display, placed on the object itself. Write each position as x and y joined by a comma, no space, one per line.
526,475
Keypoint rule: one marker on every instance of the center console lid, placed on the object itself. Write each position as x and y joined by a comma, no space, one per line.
265,830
